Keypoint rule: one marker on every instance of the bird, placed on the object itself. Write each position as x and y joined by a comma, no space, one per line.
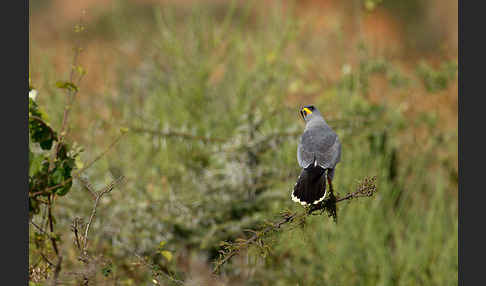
318,152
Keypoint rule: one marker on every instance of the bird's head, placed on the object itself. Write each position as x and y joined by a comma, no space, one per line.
308,112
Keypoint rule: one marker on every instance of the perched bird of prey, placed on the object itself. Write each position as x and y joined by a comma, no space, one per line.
318,152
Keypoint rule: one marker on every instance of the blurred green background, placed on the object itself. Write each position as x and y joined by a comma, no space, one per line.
383,74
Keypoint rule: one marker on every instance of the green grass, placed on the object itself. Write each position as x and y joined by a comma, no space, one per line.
215,71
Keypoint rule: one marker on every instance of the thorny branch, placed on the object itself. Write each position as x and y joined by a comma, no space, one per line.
176,134
157,273
366,188
342,123
260,145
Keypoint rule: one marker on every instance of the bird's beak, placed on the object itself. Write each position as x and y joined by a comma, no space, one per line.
304,112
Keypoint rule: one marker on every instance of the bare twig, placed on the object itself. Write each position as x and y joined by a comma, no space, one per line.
45,258
77,222
81,241
88,187
106,190
117,139
39,228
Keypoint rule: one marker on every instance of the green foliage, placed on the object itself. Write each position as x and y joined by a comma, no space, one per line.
437,79
39,131
107,270
358,81
46,178
164,252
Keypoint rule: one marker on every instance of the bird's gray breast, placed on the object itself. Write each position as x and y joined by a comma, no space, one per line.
320,143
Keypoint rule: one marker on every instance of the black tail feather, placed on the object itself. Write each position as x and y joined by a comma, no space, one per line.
311,186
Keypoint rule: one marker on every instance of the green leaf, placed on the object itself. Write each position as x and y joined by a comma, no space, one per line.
107,270
33,108
80,70
64,190
62,173
68,165
39,131
33,206
62,152
58,176
167,254
46,144
161,244
67,85
35,163
78,163
56,237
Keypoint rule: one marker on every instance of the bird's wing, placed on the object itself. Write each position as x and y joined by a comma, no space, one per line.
320,144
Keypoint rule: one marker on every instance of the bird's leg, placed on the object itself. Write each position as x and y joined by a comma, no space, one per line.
330,184
331,206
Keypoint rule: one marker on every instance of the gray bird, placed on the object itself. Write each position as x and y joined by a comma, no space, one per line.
318,152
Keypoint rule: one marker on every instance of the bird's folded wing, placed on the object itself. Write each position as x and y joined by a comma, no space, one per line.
321,146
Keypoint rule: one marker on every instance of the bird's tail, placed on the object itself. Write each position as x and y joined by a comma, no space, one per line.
311,186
